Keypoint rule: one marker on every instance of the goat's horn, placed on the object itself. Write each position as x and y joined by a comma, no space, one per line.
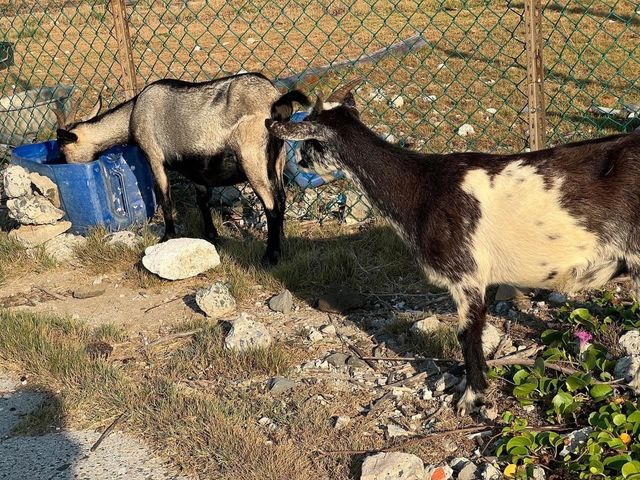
341,92
319,103
62,121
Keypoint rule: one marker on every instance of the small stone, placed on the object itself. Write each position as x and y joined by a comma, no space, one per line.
33,211
216,300
393,431
575,440
427,325
283,302
45,187
491,473
446,381
247,333
126,238
264,421
490,413
340,301
180,258
557,299
628,368
314,335
630,342
397,102
538,473
88,292
466,130
328,330
491,337
63,247
341,422
492,111
468,472
459,463
279,385
34,235
337,359
392,466
502,308
16,182
506,293
356,362
426,394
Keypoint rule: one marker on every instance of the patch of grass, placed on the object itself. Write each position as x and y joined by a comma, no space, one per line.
15,258
441,343
100,257
213,431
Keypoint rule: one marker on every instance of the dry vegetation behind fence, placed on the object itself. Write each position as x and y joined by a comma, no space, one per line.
472,69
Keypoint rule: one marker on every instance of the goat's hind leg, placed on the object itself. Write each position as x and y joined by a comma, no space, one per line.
155,157
202,199
472,312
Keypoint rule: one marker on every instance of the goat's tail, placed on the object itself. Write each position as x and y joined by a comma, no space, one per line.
283,107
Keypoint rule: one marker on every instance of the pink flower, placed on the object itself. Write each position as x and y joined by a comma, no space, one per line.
584,337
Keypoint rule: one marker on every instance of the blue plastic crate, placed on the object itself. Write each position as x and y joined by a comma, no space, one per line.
115,191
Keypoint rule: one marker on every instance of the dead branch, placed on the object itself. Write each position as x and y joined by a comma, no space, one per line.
106,432
174,336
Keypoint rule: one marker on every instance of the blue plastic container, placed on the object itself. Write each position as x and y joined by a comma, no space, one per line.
115,191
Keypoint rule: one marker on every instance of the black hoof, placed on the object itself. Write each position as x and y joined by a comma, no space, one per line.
270,259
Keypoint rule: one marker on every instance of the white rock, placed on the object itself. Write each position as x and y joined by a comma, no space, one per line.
576,440
426,325
16,181
247,333
491,337
397,102
538,473
630,342
283,302
628,368
426,394
215,300
394,431
180,258
466,130
62,248
491,473
392,466
492,111
314,335
328,330
45,187
124,237
33,210
468,472
34,235
341,422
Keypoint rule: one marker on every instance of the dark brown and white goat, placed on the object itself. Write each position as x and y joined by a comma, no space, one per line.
211,132
566,218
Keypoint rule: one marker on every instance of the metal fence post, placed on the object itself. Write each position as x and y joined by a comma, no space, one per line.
535,74
125,52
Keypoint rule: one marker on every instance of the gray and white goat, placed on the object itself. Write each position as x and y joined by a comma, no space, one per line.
211,132
565,218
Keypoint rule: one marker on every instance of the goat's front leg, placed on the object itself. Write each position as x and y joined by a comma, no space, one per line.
163,189
472,312
202,199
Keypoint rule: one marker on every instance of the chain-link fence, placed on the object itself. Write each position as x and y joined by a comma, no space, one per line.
459,84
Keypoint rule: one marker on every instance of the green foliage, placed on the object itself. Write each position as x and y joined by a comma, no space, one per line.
586,398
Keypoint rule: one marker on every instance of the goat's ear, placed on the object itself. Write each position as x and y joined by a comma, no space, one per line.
298,131
65,136
349,100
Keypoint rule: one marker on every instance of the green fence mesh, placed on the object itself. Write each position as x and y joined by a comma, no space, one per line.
462,86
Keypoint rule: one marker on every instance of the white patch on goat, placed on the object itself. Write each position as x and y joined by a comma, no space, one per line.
524,236
330,105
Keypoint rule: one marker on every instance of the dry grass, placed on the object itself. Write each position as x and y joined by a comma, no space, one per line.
16,259
212,430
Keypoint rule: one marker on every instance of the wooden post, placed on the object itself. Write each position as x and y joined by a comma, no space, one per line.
125,52
535,74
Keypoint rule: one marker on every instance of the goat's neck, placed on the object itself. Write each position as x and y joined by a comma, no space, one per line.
385,173
110,129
